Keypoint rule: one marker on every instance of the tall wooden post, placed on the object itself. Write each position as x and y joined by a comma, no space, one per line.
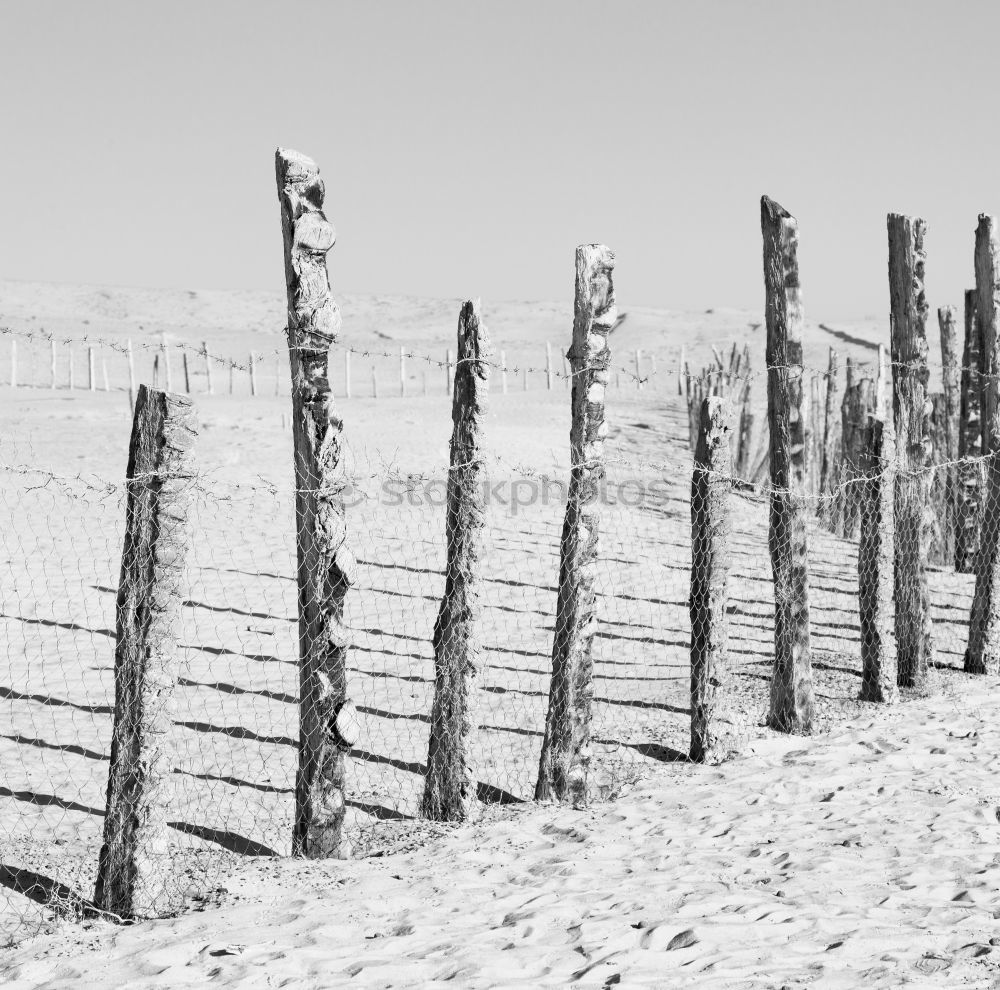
791,682
565,760
914,632
983,652
876,550
969,477
326,566
450,785
831,433
715,725
135,856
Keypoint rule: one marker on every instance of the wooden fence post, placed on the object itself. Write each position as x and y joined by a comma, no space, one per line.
950,372
165,351
374,383
831,435
876,553
791,707
857,408
548,366
914,632
135,855
131,373
451,781
232,375
208,367
638,369
187,374
326,566
982,655
91,377
565,760
969,477
714,720
253,373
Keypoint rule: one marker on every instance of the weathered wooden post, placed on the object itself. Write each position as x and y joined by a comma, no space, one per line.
253,373
164,350
131,373
791,682
950,372
983,652
208,367
831,435
914,631
876,552
135,855
565,761
187,373
326,566
969,477
374,383
715,725
451,782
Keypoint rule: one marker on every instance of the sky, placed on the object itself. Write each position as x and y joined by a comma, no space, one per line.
468,147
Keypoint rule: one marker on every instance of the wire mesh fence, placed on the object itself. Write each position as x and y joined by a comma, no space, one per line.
232,723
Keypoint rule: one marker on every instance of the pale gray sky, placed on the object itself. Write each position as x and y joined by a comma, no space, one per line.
468,147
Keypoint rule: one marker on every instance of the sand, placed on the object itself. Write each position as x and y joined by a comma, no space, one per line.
603,893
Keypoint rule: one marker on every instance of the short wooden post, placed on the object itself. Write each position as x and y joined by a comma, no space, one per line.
135,856
347,374
524,379
447,367
69,364
326,566
548,366
187,374
565,761
253,373
402,370
969,477
13,361
791,708
52,367
914,632
232,376
503,372
876,554
715,723
638,369
165,351
131,373
91,377
208,367
451,782
982,655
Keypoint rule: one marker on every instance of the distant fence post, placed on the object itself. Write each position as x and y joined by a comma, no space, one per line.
166,362
208,367
565,760
135,855
326,566
950,372
714,723
969,478
402,371
451,781
876,551
91,376
914,632
253,373
187,373
983,652
791,708
548,366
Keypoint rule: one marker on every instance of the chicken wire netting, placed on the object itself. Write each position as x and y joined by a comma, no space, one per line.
231,745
